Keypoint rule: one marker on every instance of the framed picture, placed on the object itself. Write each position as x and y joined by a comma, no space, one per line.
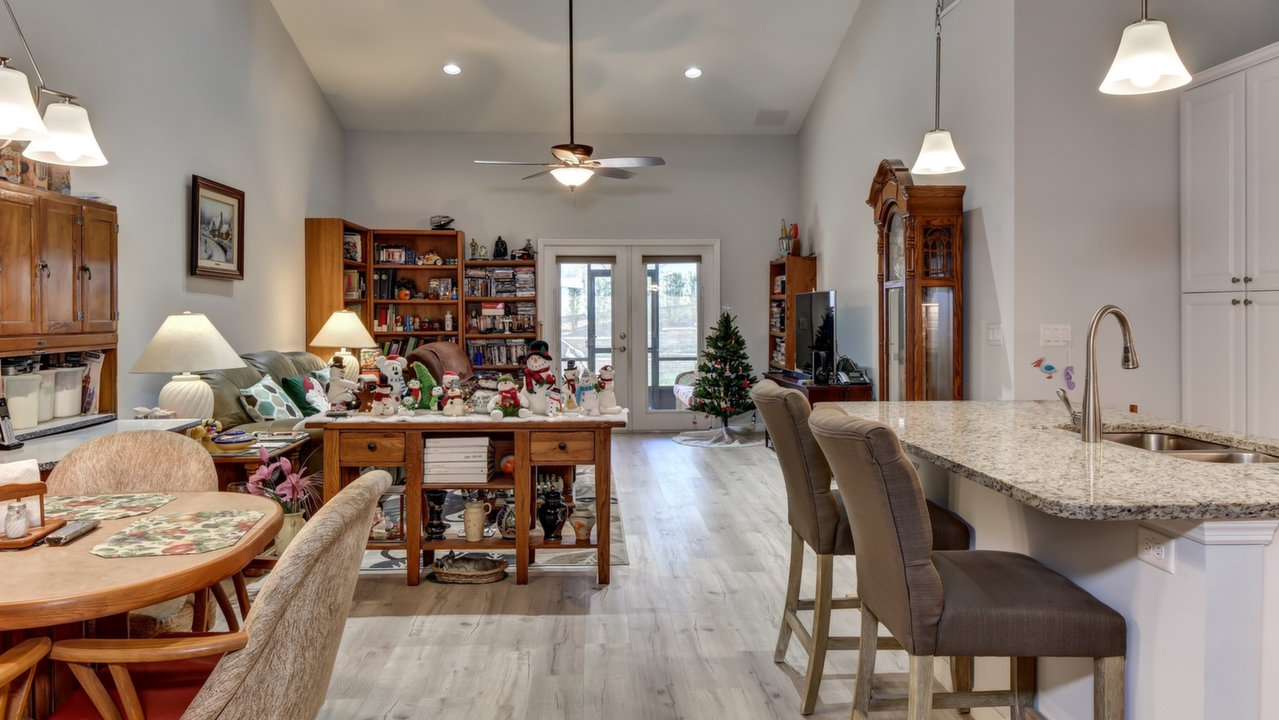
217,230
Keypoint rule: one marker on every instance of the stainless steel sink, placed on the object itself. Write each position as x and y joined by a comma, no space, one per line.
1160,442
1180,446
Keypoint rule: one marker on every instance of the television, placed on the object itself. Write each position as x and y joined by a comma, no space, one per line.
815,335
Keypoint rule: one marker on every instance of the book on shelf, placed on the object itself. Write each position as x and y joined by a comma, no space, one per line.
458,479
461,455
510,351
460,441
462,459
448,467
500,282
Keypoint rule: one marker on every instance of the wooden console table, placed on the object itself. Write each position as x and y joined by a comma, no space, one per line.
825,393
359,442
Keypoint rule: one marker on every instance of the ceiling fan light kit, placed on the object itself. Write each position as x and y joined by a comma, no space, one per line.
1146,61
937,156
575,165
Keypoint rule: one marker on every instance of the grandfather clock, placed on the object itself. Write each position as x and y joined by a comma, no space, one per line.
920,243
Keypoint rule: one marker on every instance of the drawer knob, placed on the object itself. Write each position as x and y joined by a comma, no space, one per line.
372,447
563,446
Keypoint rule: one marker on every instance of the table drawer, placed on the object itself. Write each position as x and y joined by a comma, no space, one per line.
557,447
371,447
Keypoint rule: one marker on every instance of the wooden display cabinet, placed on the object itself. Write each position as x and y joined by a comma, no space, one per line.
473,303
800,275
326,268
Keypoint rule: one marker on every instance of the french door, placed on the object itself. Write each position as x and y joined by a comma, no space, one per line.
641,307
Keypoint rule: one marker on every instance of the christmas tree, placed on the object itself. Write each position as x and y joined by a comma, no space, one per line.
725,375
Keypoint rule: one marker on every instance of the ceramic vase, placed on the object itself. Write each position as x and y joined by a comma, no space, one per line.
293,523
552,515
435,525
474,518
582,523
16,522
506,520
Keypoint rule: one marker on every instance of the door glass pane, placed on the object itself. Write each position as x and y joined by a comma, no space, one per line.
586,314
937,321
896,369
672,328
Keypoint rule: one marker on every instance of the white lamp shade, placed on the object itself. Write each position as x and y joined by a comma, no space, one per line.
937,156
573,176
1146,62
19,116
70,142
186,343
343,329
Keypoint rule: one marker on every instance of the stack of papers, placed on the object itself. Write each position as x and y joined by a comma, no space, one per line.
456,460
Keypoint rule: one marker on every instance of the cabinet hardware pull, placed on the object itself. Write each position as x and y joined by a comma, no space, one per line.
1247,302
1235,301
1247,279
563,446
87,270
1234,280
372,447
45,267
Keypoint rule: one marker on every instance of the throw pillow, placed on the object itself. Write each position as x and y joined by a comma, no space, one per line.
317,395
266,401
323,375
295,388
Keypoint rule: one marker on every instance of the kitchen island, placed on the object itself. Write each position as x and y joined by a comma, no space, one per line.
1203,639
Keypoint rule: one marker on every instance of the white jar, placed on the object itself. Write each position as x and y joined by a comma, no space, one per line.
68,391
16,522
47,383
23,394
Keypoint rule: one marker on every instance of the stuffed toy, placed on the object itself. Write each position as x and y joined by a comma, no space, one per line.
509,401
393,368
427,396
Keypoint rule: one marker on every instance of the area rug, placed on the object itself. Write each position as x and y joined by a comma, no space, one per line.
392,561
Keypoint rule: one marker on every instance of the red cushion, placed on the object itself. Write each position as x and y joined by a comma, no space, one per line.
164,689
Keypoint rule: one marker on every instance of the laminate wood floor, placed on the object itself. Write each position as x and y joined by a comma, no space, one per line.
685,631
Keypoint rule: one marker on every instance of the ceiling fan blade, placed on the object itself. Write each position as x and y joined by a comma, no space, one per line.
618,162
530,177
618,173
508,162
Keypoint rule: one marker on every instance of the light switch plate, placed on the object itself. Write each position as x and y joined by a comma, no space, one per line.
994,334
1054,336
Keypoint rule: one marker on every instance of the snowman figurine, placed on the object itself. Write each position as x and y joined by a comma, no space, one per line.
608,398
554,405
509,401
571,406
538,379
590,396
454,405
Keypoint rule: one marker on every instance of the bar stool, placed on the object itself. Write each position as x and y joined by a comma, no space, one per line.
817,516
974,603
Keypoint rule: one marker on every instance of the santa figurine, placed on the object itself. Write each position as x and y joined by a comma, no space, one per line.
608,397
571,406
508,402
538,378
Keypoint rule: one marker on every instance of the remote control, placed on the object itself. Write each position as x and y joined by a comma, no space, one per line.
71,532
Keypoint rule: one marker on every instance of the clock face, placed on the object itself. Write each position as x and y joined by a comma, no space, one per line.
896,248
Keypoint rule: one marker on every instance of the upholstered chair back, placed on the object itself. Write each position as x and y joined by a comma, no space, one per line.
296,622
439,357
138,461
891,529
811,508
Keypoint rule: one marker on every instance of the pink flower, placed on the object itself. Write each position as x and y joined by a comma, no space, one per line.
262,454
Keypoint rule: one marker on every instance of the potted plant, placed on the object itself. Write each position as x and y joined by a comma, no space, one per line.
291,489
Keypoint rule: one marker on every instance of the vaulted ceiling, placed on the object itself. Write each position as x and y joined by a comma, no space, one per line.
380,63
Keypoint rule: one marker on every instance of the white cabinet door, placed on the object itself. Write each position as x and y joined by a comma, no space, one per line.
1212,360
1263,177
1262,311
1212,186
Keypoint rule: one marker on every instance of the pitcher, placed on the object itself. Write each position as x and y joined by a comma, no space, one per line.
474,519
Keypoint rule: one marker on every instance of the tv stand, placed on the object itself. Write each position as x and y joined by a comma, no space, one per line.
825,393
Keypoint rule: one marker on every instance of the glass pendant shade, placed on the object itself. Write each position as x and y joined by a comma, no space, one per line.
573,176
937,156
1146,62
19,116
70,142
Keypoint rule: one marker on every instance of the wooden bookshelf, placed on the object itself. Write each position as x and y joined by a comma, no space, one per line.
471,303
801,276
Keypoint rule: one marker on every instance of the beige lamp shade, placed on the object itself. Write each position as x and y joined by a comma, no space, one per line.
185,344
344,329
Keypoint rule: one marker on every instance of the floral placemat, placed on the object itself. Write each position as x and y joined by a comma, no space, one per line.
189,533
103,507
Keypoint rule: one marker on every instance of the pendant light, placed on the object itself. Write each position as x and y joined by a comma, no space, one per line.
1146,62
68,137
937,156
19,116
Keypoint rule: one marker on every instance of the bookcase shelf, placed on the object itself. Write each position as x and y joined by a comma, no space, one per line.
800,275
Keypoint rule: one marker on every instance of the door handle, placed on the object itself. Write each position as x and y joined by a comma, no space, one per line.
42,265
620,349
87,271
621,336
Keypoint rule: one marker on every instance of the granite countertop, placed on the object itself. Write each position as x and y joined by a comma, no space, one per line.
1024,450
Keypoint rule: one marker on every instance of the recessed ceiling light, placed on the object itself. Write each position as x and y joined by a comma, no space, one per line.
692,73
452,69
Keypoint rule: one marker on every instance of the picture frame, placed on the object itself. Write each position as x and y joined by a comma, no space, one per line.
217,230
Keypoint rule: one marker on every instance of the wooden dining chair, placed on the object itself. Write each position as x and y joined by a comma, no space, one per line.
278,668
150,461
17,673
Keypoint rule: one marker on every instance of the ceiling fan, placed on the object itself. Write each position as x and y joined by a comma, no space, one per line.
575,165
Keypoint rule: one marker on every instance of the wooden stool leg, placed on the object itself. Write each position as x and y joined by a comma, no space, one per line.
961,677
792,595
224,604
241,594
865,664
1108,688
821,633
919,694
200,615
1023,686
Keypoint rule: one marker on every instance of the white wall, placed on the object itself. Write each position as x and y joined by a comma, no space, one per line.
734,188
214,88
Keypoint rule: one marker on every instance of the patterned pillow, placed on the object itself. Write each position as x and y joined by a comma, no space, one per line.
323,375
266,402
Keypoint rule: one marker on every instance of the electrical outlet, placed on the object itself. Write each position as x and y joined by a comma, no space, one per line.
994,334
1054,336
1155,548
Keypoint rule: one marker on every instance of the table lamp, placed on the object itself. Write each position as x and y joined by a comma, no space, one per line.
185,344
344,329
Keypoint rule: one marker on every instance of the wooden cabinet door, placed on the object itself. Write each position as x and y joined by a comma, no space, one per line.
1213,360
19,259
1262,312
98,270
59,276
1212,186
1263,176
